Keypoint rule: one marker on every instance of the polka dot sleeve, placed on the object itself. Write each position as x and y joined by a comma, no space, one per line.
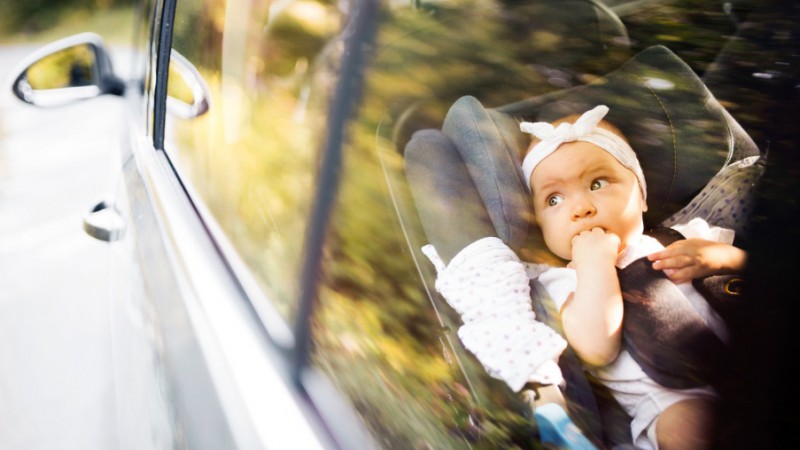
487,285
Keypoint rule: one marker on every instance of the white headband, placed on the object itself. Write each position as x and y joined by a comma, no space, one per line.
584,129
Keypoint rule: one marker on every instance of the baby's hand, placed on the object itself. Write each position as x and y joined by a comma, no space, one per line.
687,259
594,246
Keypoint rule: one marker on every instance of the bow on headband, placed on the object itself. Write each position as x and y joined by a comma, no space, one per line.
584,129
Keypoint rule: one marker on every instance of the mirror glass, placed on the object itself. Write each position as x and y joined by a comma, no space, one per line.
61,77
178,88
71,67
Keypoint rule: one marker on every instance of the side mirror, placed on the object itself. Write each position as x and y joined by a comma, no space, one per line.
71,69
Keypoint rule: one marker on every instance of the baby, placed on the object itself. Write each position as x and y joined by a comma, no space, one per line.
631,326
588,195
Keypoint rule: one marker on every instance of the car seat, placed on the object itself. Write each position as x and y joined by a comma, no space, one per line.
467,184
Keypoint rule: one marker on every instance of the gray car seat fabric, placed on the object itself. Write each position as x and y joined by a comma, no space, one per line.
489,143
450,208
727,200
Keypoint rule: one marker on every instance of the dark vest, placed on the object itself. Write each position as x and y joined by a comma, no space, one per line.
663,332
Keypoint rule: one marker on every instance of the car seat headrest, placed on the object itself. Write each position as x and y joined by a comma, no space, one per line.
489,143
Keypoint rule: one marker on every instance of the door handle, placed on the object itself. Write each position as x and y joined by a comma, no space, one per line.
104,222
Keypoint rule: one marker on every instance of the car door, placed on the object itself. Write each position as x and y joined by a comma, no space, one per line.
145,414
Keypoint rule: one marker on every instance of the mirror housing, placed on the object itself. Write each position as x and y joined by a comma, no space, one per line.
68,70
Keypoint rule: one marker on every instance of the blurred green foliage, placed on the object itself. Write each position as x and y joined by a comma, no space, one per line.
32,16
38,23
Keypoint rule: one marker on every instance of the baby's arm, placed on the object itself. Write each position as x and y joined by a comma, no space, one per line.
592,317
688,259
488,286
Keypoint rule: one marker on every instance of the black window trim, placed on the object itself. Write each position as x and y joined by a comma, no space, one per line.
164,51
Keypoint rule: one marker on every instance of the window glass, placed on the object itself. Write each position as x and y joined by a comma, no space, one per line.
267,69
381,332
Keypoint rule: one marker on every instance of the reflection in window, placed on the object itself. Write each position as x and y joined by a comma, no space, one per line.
179,88
253,156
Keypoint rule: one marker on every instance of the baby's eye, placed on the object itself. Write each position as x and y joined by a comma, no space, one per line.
598,184
554,200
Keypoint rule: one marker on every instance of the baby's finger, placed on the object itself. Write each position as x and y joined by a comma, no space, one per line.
662,254
676,248
679,276
674,262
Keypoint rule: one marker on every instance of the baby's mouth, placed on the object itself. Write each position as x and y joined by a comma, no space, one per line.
589,229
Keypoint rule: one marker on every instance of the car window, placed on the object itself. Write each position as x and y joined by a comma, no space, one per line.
380,330
252,156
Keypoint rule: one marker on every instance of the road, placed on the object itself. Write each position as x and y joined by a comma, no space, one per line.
56,375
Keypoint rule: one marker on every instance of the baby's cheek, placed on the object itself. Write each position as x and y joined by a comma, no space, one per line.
560,247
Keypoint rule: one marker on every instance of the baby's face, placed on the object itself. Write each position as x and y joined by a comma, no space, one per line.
579,187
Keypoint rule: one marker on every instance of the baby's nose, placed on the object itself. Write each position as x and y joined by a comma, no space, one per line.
583,210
